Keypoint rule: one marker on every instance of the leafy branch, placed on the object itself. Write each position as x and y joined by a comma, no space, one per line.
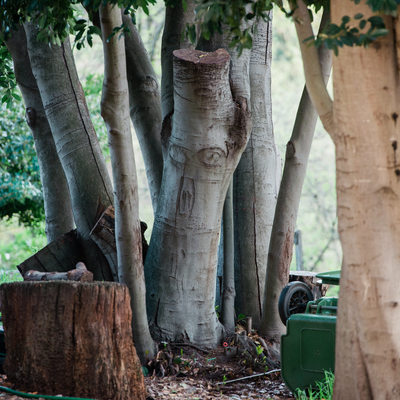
356,31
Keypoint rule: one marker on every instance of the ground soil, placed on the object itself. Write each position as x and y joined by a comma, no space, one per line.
187,372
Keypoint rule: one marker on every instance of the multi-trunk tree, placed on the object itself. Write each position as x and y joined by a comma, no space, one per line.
206,107
206,112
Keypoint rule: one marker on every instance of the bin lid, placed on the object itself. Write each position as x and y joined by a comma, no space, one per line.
330,278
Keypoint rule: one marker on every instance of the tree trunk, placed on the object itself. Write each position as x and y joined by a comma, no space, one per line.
228,288
71,338
57,203
115,111
176,18
282,236
76,141
255,183
145,106
208,136
366,110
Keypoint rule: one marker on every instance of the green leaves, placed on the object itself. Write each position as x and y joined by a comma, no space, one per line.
20,187
214,16
356,31
7,78
60,18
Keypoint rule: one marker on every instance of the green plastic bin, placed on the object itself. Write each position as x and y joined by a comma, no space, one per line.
308,348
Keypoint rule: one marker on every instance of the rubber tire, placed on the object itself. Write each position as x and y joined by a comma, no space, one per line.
295,290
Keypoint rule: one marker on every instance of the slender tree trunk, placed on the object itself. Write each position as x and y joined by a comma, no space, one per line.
367,137
228,288
115,111
145,106
176,18
282,236
57,203
208,136
144,102
75,139
255,183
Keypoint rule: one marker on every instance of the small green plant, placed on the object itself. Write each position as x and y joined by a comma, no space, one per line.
323,390
224,378
259,349
241,317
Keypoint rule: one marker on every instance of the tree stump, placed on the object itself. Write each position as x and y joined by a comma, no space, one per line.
71,338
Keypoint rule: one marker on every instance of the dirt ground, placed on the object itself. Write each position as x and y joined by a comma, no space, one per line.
187,372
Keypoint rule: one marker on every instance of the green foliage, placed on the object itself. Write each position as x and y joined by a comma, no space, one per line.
214,15
356,31
58,19
17,244
92,87
20,187
323,390
388,7
7,77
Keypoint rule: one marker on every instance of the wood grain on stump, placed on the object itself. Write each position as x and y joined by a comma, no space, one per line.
71,338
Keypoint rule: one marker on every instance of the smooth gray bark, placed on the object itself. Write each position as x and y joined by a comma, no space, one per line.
176,18
115,111
228,286
255,183
57,203
281,246
75,139
145,107
209,133
145,103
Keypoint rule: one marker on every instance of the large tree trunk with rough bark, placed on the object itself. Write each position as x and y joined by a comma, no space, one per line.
256,183
209,132
71,338
366,110
57,203
363,124
115,111
75,139
282,235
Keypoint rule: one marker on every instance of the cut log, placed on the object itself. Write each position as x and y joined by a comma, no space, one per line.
71,338
80,273
60,255
103,234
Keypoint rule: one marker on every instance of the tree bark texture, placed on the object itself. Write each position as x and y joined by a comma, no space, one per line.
71,338
228,287
282,235
176,18
75,139
115,111
57,203
208,136
256,184
367,137
145,106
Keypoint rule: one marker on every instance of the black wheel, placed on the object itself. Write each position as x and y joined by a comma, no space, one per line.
293,299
